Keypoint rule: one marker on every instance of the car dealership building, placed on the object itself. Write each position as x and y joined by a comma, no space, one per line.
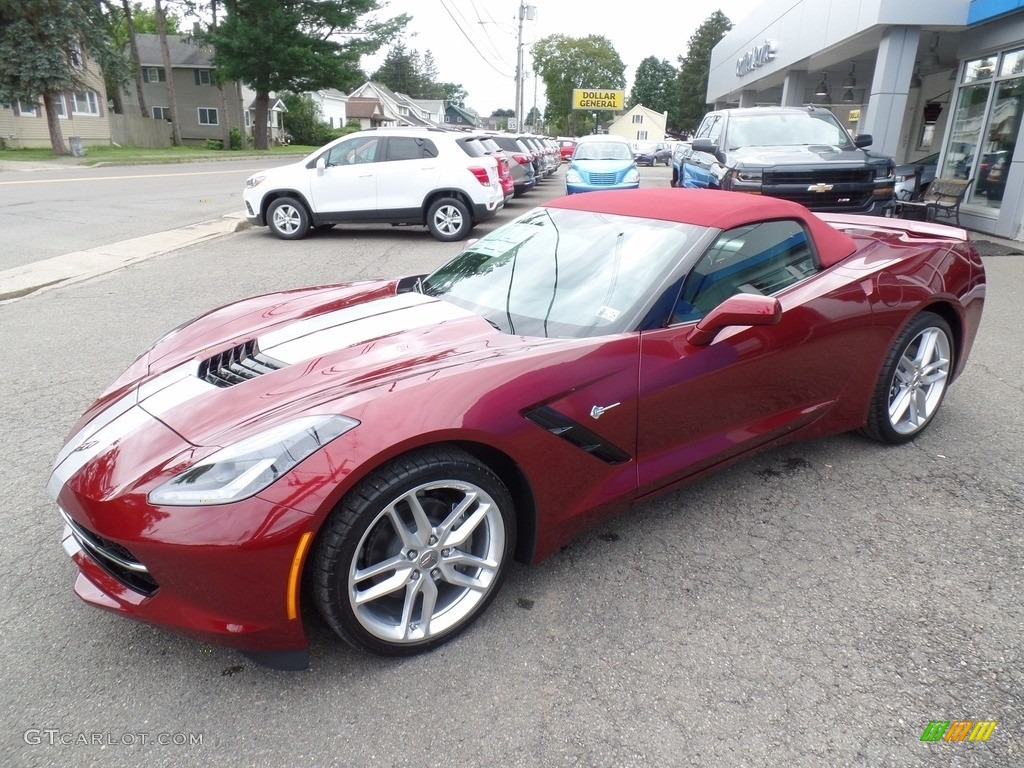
943,76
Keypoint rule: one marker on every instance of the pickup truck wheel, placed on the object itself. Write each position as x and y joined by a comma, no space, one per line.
287,218
448,219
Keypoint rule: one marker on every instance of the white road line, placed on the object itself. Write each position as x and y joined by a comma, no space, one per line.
120,178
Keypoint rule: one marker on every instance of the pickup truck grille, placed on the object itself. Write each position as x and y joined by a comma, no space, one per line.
820,176
827,201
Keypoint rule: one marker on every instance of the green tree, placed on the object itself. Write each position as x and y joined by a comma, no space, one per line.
655,86
400,71
304,120
693,71
297,45
565,63
127,20
43,47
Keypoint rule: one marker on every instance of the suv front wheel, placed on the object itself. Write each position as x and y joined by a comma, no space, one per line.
288,218
449,219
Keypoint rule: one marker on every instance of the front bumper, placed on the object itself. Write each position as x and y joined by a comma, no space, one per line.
576,187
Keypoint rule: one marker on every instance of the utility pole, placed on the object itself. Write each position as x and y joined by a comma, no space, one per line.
526,12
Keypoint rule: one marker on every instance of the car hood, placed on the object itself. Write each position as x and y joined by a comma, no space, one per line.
796,155
304,352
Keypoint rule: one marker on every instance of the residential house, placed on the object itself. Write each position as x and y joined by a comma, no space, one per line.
392,108
198,99
83,114
460,117
640,124
275,115
333,106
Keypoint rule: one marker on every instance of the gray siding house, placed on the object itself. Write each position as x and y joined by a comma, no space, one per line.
200,110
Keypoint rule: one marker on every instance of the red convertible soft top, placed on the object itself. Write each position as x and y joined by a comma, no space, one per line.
712,208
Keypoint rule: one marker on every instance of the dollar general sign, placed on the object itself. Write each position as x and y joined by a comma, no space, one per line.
583,98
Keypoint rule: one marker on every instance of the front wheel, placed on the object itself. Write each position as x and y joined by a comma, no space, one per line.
448,220
415,552
913,381
288,219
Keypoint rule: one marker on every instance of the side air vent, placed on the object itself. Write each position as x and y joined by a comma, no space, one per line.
238,364
574,432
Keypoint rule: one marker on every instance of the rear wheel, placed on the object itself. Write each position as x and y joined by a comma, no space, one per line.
913,380
448,219
415,552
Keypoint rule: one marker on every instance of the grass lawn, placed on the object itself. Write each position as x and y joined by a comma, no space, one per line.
132,155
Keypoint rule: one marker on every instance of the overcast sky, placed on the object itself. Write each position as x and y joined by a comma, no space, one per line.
482,56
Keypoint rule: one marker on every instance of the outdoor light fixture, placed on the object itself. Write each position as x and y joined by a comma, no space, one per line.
850,80
826,100
848,96
822,86
915,81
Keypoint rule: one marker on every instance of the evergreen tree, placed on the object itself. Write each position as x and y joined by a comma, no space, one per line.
655,86
279,45
43,47
693,71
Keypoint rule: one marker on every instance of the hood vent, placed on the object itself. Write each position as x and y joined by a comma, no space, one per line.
238,364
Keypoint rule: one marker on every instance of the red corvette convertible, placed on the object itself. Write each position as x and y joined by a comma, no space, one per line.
383,449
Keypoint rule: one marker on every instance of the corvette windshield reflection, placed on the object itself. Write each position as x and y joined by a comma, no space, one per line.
563,273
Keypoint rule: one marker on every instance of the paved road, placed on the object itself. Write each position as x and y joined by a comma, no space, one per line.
815,606
47,213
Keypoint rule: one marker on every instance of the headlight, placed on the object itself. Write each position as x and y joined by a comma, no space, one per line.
573,177
247,467
254,181
632,175
750,175
885,172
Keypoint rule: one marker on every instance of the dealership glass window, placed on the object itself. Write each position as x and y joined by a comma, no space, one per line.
984,126
208,116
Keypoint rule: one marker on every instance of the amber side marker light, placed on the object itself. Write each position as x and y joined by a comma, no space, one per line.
293,576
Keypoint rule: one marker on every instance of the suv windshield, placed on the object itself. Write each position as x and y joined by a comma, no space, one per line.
786,130
555,272
603,150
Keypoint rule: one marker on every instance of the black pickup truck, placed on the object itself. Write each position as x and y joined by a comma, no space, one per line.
802,154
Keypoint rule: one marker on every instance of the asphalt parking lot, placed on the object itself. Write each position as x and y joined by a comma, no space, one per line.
817,605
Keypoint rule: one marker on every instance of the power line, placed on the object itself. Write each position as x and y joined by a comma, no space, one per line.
469,39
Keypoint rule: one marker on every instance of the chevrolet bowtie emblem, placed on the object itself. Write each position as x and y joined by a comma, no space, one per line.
820,187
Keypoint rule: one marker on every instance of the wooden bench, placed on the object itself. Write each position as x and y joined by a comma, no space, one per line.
942,198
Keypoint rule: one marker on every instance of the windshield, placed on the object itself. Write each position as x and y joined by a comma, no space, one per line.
787,130
562,273
603,150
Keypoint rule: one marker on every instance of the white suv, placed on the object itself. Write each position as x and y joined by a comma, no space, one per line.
413,175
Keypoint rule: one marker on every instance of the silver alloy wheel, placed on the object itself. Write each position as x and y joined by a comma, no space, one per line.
919,381
448,220
426,561
287,219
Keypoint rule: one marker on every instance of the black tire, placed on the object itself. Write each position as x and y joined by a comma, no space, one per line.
448,219
288,218
375,572
913,381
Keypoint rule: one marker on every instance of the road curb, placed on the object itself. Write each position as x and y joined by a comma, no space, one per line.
19,282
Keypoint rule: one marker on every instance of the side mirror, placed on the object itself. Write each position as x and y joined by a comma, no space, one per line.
863,140
741,309
321,164
704,145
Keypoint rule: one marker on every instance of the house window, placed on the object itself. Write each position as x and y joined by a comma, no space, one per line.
203,77
26,108
154,75
85,103
208,116
75,56
638,118
248,119
641,135
161,113
447,118
58,105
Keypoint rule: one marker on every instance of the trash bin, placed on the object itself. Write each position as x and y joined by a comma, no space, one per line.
77,150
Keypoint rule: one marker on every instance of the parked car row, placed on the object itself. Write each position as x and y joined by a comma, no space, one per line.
443,179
